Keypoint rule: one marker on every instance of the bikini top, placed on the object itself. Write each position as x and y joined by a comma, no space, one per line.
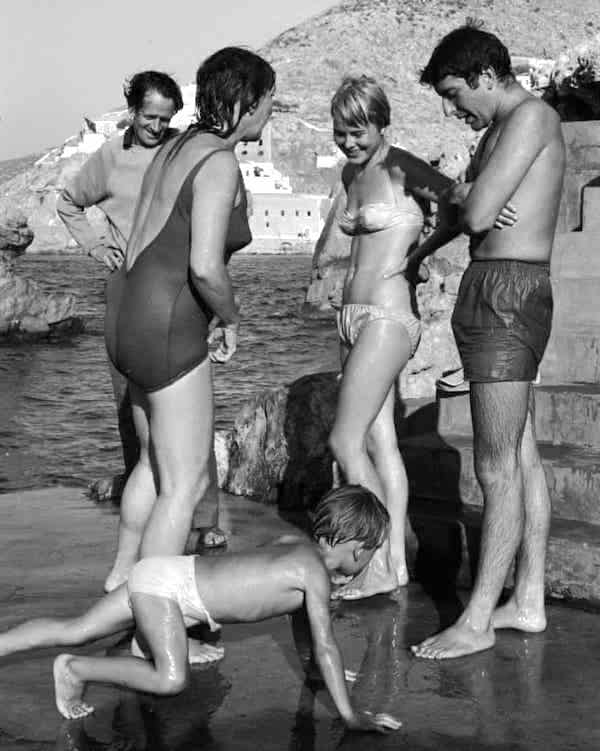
374,217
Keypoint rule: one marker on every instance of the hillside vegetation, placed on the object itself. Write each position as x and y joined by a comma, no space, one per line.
392,40
389,39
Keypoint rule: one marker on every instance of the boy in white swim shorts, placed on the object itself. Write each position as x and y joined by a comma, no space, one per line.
164,595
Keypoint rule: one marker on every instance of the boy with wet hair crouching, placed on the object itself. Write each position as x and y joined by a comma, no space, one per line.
165,595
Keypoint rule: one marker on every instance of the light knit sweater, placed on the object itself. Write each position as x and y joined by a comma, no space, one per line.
110,179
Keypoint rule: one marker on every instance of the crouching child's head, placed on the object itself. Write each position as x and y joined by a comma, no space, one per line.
349,524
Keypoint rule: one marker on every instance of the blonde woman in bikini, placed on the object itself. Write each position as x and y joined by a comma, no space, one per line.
387,190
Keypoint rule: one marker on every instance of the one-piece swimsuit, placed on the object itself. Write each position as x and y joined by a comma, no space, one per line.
156,324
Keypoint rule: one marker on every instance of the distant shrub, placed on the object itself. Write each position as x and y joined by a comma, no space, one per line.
574,85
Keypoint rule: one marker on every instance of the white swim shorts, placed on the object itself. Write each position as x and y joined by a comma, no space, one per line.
174,578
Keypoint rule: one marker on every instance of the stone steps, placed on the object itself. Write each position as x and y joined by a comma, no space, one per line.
448,550
572,356
564,415
441,468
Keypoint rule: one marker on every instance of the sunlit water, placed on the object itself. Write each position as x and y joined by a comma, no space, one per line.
57,418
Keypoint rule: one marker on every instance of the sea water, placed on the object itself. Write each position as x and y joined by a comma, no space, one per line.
57,416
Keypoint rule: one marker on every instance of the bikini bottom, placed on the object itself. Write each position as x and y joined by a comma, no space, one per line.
353,317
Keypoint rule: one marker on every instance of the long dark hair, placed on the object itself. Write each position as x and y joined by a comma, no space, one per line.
228,77
232,76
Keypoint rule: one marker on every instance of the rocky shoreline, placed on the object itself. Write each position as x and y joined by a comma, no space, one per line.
26,312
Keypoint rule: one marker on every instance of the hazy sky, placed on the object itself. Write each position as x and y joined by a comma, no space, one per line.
63,59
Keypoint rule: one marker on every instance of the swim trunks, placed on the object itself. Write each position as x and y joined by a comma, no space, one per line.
156,324
352,318
502,319
174,578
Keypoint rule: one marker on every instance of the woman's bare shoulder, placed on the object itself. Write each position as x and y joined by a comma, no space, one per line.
218,165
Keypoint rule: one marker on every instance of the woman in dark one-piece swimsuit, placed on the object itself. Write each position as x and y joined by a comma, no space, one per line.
190,217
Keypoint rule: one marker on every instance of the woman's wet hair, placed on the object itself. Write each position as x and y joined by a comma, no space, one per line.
138,86
465,53
351,512
229,84
360,101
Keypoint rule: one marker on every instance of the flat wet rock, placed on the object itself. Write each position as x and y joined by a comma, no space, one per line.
528,693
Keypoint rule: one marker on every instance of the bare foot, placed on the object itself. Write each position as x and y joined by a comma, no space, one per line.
509,615
456,641
378,578
199,652
69,690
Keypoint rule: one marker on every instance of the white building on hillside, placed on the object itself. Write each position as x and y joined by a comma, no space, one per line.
278,216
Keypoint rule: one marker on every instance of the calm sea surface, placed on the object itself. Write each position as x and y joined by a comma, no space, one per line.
57,418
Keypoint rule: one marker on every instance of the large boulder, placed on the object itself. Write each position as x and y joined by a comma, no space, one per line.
26,311
35,192
278,449
15,234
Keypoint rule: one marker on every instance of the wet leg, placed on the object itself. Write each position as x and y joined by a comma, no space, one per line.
206,531
380,352
111,487
139,497
130,443
499,412
107,616
161,624
181,430
383,448
182,439
525,610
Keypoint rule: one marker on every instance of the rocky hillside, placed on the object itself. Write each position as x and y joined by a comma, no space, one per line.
11,167
389,39
392,40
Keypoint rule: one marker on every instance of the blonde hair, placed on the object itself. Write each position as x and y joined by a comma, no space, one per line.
360,101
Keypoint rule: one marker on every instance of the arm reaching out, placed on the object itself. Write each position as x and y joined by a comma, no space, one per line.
328,657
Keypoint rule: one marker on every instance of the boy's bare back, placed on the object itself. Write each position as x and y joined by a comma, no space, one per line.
269,581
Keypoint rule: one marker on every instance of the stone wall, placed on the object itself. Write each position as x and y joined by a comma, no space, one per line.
573,354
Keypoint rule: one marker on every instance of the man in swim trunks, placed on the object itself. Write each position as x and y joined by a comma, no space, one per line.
501,322
166,594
